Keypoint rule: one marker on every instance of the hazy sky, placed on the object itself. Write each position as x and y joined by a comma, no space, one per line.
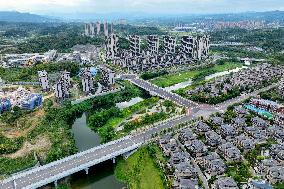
153,6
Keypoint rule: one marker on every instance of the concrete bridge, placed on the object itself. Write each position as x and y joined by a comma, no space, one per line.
54,171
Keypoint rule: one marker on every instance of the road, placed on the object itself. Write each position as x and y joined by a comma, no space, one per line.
49,173
158,91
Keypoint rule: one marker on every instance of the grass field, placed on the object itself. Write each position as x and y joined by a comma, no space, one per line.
172,79
139,171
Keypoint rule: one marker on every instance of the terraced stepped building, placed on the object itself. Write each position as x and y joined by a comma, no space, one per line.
190,50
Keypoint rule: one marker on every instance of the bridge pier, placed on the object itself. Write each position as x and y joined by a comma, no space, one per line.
113,160
87,171
55,184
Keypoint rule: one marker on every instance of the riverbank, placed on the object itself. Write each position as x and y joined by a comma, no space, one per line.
140,171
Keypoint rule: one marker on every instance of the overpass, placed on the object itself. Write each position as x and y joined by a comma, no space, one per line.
158,91
54,171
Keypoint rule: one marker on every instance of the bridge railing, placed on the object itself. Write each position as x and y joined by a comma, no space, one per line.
82,167
32,171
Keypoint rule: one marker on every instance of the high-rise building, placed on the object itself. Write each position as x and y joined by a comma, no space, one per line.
90,29
134,41
188,45
98,25
59,90
62,86
170,44
87,81
108,78
111,46
106,29
43,79
196,48
153,44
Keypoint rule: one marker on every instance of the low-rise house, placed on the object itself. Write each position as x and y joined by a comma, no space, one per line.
201,127
177,158
260,123
264,165
256,133
197,147
239,123
186,135
185,184
230,152
275,174
276,132
241,111
279,119
225,183
228,130
169,147
260,184
213,138
277,151
217,120
185,170
212,164
244,142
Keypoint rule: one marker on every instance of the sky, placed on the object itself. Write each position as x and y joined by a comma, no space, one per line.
49,7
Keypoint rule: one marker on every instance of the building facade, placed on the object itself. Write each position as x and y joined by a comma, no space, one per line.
43,79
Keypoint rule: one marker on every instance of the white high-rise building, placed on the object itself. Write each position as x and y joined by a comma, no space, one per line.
43,79
59,90
106,29
98,25
90,29
170,44
87,81
108,78
134,41
153,44
111,46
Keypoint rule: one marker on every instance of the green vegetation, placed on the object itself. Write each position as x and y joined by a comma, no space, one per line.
145,120
8,145
105,121
56,124
278,186
9,166
152,75
30,73
196,75
270,40
239,171
254,155
271,95
140,171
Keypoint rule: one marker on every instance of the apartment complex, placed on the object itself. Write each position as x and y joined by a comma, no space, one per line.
190,50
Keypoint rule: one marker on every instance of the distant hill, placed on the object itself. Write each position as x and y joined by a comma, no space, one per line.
12,16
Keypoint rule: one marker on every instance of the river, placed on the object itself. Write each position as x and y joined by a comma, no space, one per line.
100,176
